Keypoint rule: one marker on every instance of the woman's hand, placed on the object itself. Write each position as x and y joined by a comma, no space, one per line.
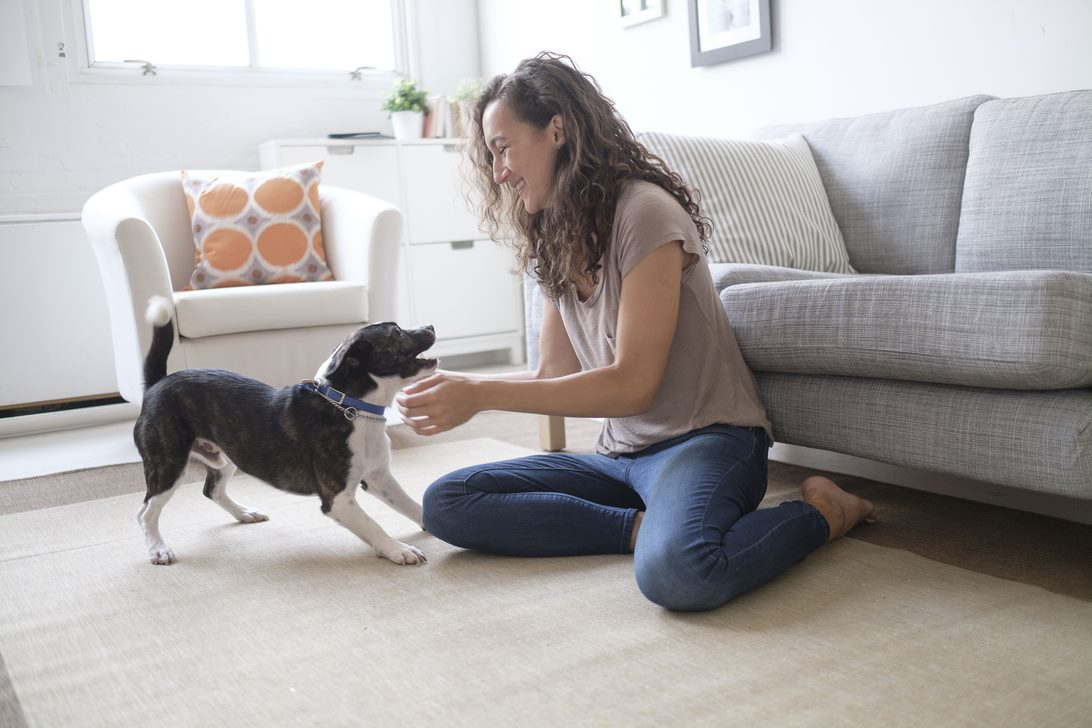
438,403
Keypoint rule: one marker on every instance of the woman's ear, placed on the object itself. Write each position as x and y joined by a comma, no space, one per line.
557,130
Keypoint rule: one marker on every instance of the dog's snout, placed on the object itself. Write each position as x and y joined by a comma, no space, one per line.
425,333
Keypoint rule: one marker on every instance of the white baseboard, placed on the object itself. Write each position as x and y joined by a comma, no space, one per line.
67,419
1047,504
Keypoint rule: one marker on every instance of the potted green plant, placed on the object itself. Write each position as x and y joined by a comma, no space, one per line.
462,102
406,103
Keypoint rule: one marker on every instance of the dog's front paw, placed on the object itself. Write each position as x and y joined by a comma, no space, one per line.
401,553
161,555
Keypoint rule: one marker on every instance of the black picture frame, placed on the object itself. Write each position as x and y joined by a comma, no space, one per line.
708,47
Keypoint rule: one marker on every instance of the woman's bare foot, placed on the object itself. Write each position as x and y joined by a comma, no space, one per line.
842,510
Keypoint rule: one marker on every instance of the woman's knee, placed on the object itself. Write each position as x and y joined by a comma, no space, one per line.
439,507
675,579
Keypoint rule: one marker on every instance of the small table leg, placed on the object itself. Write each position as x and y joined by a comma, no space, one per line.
551,432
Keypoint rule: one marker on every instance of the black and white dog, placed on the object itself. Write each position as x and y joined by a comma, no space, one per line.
321,437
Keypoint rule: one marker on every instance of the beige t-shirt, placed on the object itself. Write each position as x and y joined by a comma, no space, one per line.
706,381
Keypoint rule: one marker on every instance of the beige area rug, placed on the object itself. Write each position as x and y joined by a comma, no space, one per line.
295,622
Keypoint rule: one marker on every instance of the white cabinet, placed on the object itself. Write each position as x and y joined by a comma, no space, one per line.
435,208
454,278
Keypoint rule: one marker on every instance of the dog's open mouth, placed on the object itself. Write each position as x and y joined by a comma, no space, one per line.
425,337
419,366
415,365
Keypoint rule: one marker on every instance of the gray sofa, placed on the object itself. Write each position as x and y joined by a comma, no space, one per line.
963,344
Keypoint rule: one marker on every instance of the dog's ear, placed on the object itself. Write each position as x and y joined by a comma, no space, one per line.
343,364
347,357
349,370
337,356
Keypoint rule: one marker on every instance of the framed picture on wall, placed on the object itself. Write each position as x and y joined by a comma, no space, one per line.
632,12
721,30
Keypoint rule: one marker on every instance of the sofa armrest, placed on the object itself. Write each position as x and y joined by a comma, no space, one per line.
361,235
732,274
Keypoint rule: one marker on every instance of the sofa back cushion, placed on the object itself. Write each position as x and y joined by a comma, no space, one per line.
894,181
1027,199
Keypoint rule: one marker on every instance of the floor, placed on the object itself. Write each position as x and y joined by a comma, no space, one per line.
30,456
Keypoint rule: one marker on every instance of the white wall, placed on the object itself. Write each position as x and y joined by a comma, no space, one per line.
60,141
829,59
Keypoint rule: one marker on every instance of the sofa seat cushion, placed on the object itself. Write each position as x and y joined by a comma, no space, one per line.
264,308
1010,330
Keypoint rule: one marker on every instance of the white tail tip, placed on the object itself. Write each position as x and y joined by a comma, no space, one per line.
158,312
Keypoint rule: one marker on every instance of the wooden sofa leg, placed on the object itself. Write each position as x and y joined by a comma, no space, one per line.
551,432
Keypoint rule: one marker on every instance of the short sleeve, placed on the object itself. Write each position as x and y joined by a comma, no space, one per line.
647,218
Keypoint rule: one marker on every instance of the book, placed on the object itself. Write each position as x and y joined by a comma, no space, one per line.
359,135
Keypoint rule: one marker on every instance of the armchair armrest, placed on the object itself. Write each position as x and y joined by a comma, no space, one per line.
361,235
134,268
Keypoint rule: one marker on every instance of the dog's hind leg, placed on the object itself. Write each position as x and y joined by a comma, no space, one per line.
216,490
164,454
148,518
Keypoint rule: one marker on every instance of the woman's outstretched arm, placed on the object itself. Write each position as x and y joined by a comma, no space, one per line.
647,315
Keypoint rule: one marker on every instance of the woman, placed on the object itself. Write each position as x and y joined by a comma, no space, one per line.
633,332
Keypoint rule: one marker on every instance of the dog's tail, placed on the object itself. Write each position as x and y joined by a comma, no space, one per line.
158,314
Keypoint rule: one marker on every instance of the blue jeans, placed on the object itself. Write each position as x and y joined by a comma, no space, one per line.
702,541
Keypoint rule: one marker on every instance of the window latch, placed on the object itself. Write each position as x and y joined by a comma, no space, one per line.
148,66
355,75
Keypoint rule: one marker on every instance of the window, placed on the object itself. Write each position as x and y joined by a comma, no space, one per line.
240,35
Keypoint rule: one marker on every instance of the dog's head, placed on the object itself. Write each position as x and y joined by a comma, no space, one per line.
379,356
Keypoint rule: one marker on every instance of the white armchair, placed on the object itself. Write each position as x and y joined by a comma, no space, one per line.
141,235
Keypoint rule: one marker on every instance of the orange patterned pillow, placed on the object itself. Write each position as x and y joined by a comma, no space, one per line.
256,228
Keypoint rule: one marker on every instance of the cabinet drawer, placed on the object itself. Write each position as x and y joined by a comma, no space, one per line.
465,289
435,207
371,169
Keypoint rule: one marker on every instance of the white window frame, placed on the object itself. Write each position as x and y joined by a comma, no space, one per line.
80,70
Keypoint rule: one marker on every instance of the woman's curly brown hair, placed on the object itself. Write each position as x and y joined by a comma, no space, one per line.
570,235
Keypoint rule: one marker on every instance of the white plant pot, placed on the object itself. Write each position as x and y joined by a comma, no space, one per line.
408,124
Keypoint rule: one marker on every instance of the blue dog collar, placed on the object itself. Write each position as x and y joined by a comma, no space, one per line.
352,408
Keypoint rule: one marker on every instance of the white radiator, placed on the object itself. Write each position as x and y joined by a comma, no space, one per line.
54,328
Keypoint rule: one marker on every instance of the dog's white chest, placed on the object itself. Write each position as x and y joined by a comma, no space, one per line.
370,447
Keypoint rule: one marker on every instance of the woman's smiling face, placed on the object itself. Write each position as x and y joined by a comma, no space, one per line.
523,157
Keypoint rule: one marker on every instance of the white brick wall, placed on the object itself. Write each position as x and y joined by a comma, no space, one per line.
62,140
